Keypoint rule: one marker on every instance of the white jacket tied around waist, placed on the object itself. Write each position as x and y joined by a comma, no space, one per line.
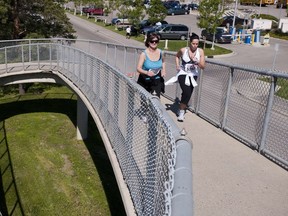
174,79
187,68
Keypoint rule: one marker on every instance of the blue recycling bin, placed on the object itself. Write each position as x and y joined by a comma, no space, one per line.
247,39
257,36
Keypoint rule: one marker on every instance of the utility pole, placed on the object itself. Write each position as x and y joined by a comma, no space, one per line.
235,11
260,7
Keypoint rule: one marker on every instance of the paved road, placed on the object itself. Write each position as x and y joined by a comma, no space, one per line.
229,179
269,9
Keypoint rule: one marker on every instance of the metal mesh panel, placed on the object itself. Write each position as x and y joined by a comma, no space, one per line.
3,58
141,144
248,99
120,58
277,134
213,91
173,91
130,67
111,55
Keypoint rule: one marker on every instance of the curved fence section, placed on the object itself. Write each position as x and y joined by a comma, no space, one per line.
144,141
249,103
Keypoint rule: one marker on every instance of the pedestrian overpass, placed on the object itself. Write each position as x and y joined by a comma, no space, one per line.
152,160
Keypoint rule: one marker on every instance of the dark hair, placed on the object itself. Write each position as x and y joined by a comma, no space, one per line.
194,36
150,37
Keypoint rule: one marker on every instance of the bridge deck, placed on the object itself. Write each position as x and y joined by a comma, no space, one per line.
229,178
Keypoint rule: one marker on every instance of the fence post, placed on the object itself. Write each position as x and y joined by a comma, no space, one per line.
125,62
268,114
182,199
230,81
106,53
199,92
115,55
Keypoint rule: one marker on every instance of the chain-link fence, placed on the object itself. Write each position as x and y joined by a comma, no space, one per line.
143,140
248,103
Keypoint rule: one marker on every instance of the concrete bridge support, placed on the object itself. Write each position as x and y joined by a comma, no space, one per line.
82,120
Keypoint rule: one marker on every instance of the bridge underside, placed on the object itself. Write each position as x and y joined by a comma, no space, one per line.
41,76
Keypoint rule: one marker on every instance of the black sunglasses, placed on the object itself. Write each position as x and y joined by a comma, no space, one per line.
154,41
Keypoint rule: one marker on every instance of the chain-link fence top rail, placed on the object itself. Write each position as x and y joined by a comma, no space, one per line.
142,139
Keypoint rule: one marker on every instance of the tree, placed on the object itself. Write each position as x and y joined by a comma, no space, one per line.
131,9
6,25
156,12
40,18
32,19
136,13
210,16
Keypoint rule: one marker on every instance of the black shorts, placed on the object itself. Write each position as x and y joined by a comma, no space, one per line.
152,84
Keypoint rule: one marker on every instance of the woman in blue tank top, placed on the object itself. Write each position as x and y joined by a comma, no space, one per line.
151,66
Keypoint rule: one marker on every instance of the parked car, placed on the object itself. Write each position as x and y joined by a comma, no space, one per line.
221,35
171,4
191,6
146,23
177,11
149,29
93,11
145,26
171,31
118,21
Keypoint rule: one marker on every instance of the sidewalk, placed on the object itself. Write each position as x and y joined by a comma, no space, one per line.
229,178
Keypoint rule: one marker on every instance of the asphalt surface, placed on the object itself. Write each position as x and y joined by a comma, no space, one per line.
229,178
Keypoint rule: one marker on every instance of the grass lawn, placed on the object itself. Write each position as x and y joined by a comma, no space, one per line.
54,173
283,84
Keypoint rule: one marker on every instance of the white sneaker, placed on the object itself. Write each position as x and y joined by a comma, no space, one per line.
181,115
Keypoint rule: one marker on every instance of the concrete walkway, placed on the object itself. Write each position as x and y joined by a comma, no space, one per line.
229,178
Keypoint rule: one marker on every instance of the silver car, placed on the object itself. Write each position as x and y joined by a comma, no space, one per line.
171,31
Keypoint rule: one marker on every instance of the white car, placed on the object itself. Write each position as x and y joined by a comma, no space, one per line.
120,21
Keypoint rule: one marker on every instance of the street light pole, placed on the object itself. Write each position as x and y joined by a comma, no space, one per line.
233,24
234,17
260,7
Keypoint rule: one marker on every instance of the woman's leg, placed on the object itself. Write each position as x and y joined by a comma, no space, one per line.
185,96
156,87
